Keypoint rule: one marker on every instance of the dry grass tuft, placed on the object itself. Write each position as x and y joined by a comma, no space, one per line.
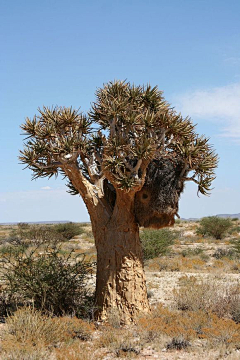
76,351
75,328
120,342
29,325
184,327
35,336
208,296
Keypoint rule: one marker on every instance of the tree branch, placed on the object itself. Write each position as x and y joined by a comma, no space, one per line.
49,166
190,179
184,169
112,128
137,167
92,194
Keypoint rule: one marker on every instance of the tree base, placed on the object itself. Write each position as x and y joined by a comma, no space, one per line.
121,284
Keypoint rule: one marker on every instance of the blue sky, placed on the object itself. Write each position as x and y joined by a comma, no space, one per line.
57,52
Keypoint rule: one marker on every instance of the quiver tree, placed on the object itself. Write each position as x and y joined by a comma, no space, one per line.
128,158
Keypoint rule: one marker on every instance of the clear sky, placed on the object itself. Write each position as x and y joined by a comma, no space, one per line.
57,52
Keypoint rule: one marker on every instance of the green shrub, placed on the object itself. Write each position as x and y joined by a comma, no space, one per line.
54,283
156,242
68,230
178,221
12,249
236,245
225,253
38,234
192,252
33,234
41,234
214,226
23,226
84,224
54,233
178,344
234,229
204,257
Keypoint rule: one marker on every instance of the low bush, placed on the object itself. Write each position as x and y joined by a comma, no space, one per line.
40,234
23,226
214,226
12,249
157,242
225,253
222,331
192,252
24,352
35,336
178,344
44,233
29,325
236,245
182,327
178,221
120,342
165,322
177,263
29,336
208,296
76,351
53,282
68,230
75,328
192,295
234,230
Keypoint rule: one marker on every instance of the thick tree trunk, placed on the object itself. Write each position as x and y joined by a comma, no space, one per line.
120,284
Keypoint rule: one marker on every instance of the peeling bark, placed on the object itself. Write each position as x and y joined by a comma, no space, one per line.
121,284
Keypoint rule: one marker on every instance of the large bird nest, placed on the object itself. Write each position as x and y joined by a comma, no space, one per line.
157,203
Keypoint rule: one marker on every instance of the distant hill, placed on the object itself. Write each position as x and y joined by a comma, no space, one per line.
232,216
37,222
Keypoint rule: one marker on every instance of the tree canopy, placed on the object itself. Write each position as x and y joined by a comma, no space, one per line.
127,127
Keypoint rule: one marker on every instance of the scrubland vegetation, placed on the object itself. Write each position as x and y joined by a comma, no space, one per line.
47,294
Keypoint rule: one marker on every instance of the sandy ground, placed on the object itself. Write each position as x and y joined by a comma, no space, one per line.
160,286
